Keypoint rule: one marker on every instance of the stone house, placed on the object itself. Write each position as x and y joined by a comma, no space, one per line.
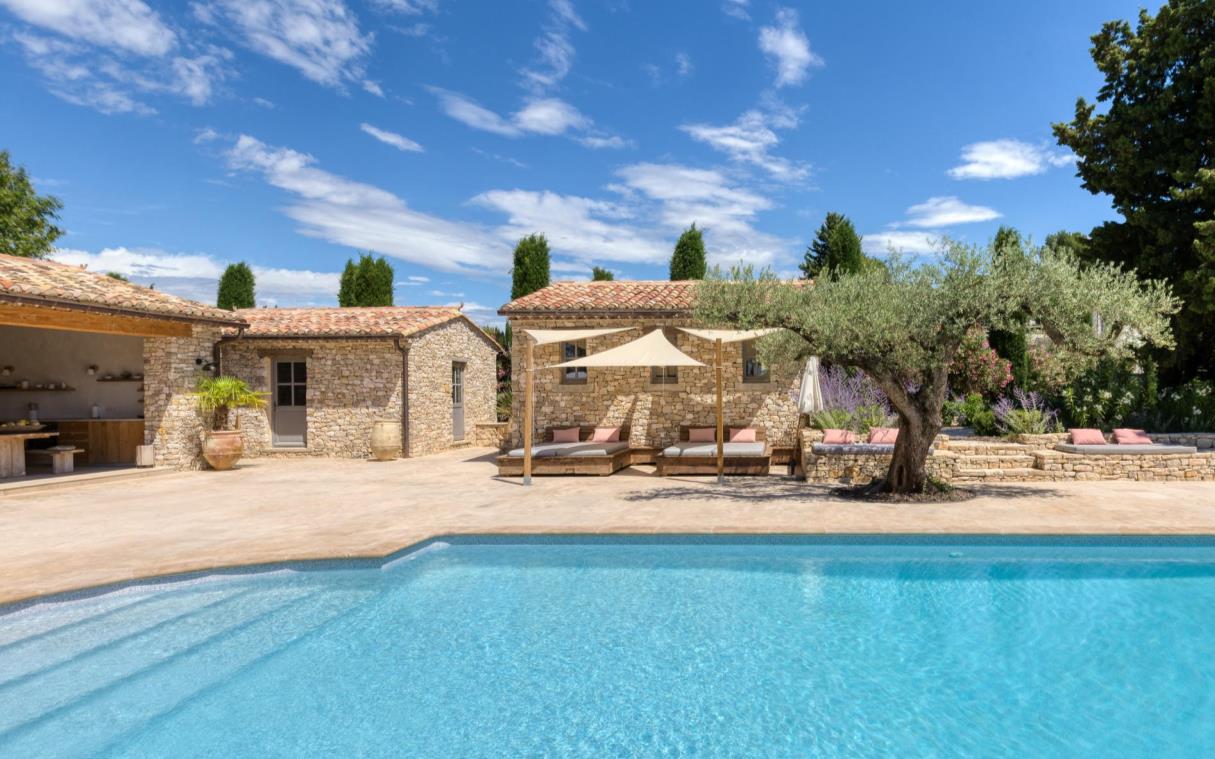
331,373
653,402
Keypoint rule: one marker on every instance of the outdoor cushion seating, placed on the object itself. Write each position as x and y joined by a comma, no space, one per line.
1126,450
742,435
567,435
829,449
883,435
839,437
606,435
581,455
702,435
710,449
1124,436
572,449
1084,436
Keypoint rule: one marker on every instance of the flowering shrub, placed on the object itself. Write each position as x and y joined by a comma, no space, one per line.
1108,395
1049,370
1186,408
977,368
1024,413
851,400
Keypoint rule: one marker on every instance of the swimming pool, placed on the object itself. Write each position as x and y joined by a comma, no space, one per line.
582,647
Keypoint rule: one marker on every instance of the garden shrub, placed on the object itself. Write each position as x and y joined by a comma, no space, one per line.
1024,413
977,368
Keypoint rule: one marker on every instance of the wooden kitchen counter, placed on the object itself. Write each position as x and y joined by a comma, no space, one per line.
105,441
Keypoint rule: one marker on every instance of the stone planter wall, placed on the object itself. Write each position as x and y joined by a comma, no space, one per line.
625,396
173,425
863,468
1069,466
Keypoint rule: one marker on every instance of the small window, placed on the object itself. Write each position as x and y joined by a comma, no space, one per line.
753,370
666,375
573,375
291,383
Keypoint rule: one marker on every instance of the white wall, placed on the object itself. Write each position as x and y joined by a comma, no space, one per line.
48,355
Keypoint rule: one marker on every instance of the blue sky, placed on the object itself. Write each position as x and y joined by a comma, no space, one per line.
292,134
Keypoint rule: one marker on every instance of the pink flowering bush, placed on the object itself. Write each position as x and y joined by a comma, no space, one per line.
977,368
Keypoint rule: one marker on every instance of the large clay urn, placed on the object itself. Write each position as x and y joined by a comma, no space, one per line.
385,441
223,448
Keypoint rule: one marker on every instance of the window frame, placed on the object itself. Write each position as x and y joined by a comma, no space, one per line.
751,356
665,376
569,374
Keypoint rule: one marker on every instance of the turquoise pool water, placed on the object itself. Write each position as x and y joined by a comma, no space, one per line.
637,648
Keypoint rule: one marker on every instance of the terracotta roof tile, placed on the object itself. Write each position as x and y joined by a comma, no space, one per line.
43,282
384,321
621,296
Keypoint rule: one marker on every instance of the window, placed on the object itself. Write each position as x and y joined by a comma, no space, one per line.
573,375
666,375
291,383
753,370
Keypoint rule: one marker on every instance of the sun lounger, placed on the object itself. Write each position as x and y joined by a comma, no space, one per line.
582,457
687,457
1126,450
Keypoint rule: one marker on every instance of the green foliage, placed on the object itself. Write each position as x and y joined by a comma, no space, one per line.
366,283
26,218
861,420
117,276
1022,421
688,261
1148,146
1011,344
831,419
236,287
531,266
503,336
1186,408
903,326
599,274
971,411
977,368
218,395
1072,242
836,248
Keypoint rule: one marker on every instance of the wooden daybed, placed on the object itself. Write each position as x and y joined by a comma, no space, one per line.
583,457
686,457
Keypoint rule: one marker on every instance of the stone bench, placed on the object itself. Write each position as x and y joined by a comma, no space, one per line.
63,457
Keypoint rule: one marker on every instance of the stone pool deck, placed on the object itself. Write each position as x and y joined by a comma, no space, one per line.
277,510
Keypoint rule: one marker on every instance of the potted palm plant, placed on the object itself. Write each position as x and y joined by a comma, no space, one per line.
222,447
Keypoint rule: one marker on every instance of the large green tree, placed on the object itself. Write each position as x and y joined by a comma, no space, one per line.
903,325
1149,143
600,274
1012,344
236,287
367,282
688,260
530,271
836,248
27,219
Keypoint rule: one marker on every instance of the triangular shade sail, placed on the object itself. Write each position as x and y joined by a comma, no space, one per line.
729,335
548,336
651,350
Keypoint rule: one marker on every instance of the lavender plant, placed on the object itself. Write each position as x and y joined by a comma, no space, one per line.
1024,413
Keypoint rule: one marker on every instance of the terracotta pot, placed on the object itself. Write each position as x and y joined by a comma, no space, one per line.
223,448
385,441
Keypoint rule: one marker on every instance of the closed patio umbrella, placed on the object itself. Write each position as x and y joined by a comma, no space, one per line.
810,397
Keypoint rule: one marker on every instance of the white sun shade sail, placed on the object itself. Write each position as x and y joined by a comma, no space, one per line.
729,335
549,336
652,349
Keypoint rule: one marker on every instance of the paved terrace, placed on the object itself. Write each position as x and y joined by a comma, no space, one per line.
275,510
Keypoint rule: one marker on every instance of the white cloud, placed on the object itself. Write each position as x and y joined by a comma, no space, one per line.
564,11
604,142
408,7
366,217
391,138
549,116
1007,159
319,38
736,9
683,64
882,243
786,45
749,140
373,87
196,275
553,46
418,279
947,211
128,25
470,113
543,116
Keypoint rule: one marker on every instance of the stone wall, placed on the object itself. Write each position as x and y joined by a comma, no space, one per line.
863,468
615,396
491,435
431,355
1070,466
352,384
172,422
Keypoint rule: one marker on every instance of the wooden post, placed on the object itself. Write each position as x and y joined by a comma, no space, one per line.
527,409
721,456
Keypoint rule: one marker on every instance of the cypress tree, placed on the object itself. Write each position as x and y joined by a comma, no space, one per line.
836,248
600,274
236,287
688,261
346,293
366,283
531,266
1011,344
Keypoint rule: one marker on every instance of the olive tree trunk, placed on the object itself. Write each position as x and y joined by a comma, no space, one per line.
920,420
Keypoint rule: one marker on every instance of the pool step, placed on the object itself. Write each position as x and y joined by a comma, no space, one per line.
105,719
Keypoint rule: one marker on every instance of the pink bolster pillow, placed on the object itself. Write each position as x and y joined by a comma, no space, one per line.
702,435
839,437
606,435
567,435
1124,436
1084,436
883,435
742,434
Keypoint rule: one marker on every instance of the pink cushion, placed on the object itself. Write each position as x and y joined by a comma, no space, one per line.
883,435
742,434
702,435
1087,437
839,437
1123,436
567,435
606,435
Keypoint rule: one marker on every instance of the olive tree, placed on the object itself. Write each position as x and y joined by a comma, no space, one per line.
903,324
